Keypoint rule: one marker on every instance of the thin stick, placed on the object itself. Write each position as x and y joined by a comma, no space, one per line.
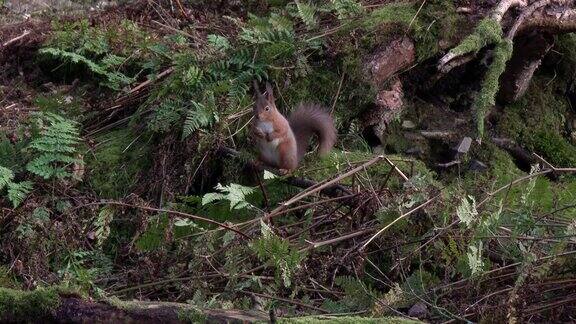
398,219
527,12
14,40
396,169
307,193
315,245
182,9
312,204
337,94
147,82
173,212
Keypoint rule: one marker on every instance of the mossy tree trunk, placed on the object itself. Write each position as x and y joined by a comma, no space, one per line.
528,53
55,306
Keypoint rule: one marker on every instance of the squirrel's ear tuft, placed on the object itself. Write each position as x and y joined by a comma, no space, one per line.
257,89
269,91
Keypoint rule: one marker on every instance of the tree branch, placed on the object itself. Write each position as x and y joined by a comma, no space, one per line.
330,191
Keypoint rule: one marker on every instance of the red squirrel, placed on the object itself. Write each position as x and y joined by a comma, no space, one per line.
283,142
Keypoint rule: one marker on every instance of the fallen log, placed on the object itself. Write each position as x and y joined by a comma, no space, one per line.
53,305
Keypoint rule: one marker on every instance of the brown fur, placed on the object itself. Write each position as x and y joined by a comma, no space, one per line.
283,142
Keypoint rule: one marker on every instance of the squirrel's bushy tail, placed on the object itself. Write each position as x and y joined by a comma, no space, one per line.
310,119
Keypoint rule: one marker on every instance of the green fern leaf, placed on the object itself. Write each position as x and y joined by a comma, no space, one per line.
307,14
17,192
234,193
198,117
347,8
55,147
277,251
6,177
220,43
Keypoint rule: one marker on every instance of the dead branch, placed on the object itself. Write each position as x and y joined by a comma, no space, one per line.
549,169
14,40
319,187
448,61
551,22
170,212
78,310
330,191
160,76
410,212
525,14
504,6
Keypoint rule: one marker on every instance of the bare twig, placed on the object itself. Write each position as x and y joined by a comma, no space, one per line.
315,245
398,219
182,11
525,13
14,40
395,168
160,76
316,189
337,93
170,212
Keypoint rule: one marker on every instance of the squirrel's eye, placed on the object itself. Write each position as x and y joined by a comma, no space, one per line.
267,108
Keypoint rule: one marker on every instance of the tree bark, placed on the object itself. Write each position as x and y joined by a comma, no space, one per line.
77,310
526,58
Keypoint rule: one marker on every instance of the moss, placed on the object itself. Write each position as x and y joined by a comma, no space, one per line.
192,315
487,32
27,306
68,106
537,122
347,319
566,44
486,97
323,168
187,313
117,162
394,12
556,148
438,20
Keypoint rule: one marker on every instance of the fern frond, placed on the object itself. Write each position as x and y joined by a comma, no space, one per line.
234,193
112,79
198,116
220,43
276,250
6,177
307,14
56,145
347,8
17,192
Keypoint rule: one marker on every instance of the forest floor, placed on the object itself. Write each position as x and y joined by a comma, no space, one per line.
127,189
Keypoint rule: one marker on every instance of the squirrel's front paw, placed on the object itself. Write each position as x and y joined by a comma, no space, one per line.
257,132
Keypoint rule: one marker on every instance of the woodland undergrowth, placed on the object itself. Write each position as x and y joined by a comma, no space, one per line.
118,186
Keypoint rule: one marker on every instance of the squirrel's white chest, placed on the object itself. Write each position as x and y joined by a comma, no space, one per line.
269,150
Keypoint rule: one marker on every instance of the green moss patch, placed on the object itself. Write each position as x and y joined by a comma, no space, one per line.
348,319
25,306
537,122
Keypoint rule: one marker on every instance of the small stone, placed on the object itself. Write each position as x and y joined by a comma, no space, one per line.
408,124
419,310
477,166
464,145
